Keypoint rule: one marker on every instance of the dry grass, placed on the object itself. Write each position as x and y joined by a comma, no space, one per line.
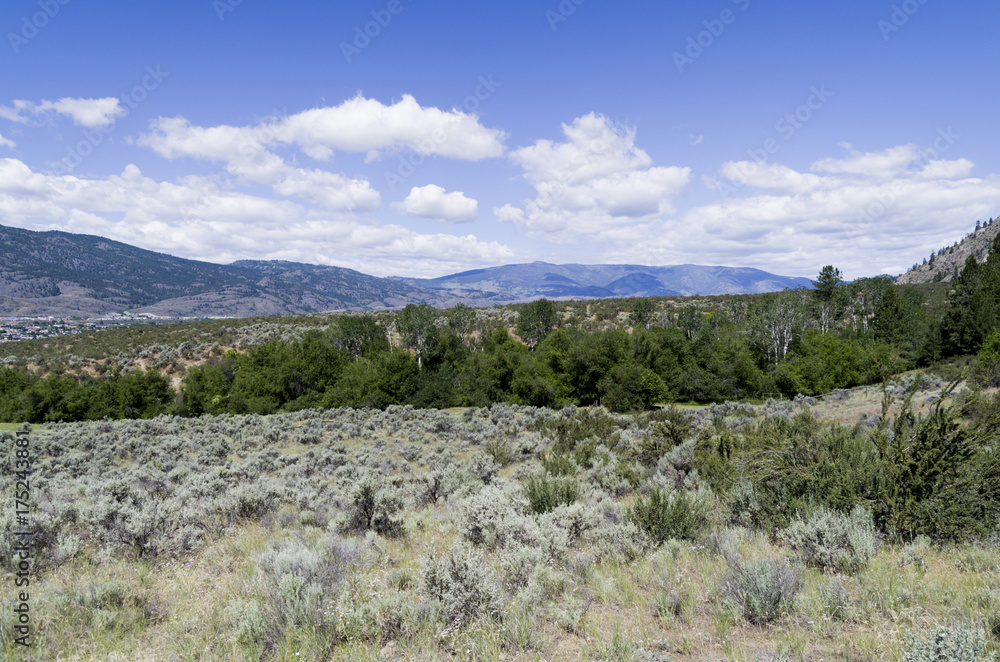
612,610
668,603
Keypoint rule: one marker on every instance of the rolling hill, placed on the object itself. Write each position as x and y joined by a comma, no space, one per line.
61,274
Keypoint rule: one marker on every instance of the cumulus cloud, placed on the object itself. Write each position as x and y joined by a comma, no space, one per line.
867,213
197,219
246,156
357,125
89,113
595,180
366,125
433,202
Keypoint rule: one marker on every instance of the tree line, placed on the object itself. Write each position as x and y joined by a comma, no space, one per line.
838,335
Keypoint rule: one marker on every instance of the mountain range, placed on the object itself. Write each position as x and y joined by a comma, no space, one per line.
595,281
61,274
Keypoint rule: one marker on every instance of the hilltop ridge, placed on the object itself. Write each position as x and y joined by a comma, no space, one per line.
945,265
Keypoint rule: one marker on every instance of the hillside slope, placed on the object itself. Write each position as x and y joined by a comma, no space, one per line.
63,274
948,262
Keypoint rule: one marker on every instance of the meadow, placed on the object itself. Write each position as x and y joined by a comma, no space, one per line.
725,532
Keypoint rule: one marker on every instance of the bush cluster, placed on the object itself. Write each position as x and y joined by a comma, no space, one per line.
828,539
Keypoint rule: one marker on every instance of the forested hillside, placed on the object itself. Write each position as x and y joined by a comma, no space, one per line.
647,352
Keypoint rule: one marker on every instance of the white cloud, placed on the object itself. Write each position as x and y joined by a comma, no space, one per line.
328,189
197,219
244,151
364,125
357,125
866,214
433,202
882,165
596,180
89,113
4,142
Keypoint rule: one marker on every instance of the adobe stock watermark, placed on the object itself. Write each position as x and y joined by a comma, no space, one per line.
699,43
884,200
562,13
31,25
408,163
93,137
223,7
899,17
786,128
363,35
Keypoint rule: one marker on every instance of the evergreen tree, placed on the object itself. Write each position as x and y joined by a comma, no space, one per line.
827,282
827,289
974,304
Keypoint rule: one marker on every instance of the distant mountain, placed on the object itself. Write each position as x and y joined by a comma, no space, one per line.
70,275
573,281
947,263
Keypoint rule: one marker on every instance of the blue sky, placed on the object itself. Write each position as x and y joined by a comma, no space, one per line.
404,137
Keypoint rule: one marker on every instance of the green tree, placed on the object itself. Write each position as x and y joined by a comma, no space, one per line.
889,322
462,320
642,314
974,306
359,335
535,321
827,283
415,324
827,289
630,387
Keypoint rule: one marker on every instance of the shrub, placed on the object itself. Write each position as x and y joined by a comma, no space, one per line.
483,466
495,517
558,464
677,514
671,429
297,577
501,451
547,492
463,585
763,590
250,623
831,540
744,505
914,552
946,644
373,510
